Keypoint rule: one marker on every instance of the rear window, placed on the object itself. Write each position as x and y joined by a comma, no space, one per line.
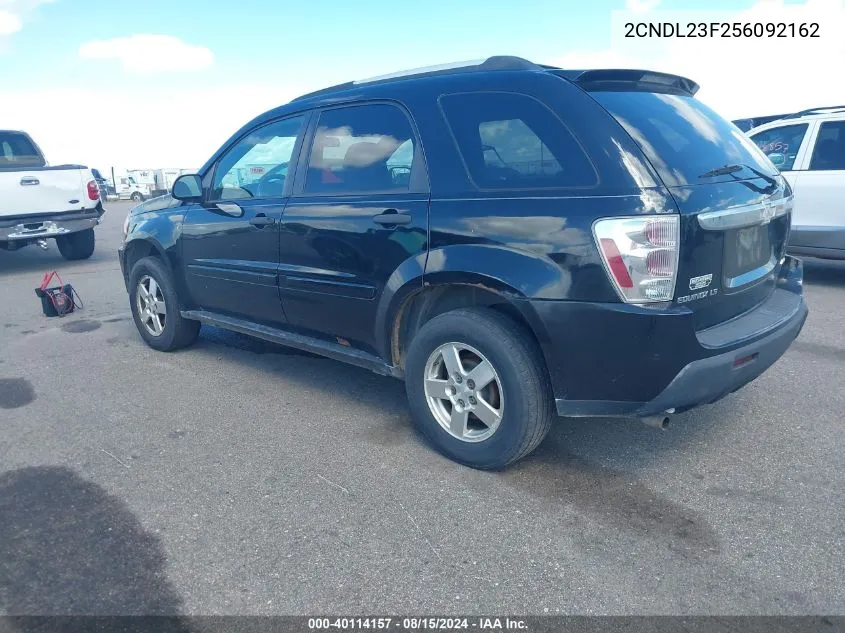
512,141
683,138
17,150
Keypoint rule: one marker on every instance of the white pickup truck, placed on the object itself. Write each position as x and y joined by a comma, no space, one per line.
38,202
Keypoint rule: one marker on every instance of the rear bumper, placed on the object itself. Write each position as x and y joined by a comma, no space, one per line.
709,379
47,225
627,361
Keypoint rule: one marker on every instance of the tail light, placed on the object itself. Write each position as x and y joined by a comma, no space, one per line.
640,255
93,190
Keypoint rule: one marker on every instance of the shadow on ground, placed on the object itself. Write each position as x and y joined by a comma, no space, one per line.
824,272
616,499
627,444
67,547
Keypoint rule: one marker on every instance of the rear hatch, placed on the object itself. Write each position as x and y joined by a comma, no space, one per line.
735,207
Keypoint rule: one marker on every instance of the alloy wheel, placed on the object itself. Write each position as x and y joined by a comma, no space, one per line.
464,392
151,307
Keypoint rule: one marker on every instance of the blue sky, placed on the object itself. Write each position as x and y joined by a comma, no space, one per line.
70,66
261,39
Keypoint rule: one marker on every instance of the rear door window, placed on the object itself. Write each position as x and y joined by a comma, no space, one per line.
512,141
683,138
829,152
17,149
361,149
781,144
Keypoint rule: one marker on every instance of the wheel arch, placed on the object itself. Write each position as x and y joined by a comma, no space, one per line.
156,234
136,249
436,297
466,275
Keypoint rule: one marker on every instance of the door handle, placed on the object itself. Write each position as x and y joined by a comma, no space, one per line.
391,217
262,220
28,181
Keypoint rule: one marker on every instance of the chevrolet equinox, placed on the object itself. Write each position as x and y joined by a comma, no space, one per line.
514,241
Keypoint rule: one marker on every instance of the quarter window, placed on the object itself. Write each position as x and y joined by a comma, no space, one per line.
781,144
257,165
360,149
829,152
512,141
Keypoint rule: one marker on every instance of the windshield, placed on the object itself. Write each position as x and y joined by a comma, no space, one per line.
17,150
686,141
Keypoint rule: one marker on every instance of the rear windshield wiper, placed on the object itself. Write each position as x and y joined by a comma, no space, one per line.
722,171
729,170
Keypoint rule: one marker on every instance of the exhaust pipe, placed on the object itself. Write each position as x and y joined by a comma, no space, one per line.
657,421
42,244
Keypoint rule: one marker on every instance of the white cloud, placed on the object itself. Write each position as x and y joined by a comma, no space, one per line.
641,6
13,14
739,77
102,128
147,54
9,23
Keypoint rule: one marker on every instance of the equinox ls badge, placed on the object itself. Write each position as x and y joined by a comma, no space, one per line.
702,281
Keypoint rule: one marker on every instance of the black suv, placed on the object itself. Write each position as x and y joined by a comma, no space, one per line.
515,241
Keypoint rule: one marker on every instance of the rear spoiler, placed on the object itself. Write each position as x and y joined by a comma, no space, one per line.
622,79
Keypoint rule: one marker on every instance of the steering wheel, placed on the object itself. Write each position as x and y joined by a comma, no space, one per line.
273,182
270,187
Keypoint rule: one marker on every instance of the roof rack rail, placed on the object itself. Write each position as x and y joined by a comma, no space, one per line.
796,115
747,124
497,62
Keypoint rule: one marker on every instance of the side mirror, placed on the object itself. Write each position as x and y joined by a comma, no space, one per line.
778,159
187,188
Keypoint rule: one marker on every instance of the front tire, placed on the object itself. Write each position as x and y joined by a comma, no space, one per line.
478,388
79,245
137,197
156,307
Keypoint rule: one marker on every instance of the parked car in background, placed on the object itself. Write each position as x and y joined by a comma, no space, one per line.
585,243
809,149
40,201
106,189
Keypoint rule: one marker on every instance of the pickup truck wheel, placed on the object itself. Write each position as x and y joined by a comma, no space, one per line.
155,307
78,245
478,388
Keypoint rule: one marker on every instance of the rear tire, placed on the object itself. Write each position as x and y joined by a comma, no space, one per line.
517,399
156,307
78,245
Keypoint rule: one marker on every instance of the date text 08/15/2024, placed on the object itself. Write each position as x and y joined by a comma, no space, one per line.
417,624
